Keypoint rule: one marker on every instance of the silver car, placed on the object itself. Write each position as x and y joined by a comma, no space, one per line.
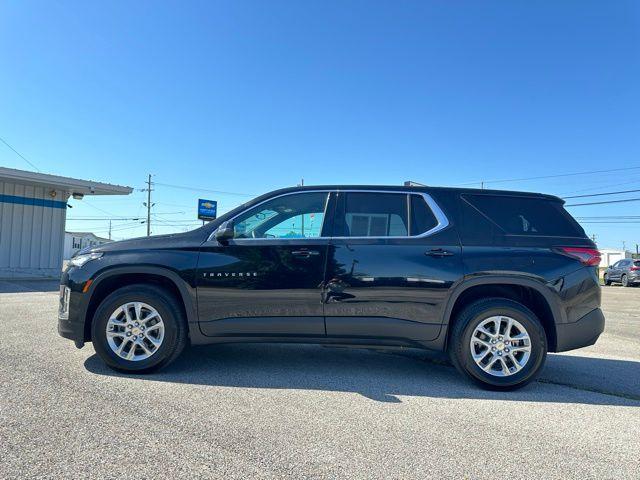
626,272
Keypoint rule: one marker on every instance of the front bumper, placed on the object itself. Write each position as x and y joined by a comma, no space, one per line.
71,330
72,310
581,333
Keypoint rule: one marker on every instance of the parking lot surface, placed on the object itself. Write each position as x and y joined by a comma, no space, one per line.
265,411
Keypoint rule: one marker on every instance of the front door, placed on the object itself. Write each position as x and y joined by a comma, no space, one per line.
391,264
267,281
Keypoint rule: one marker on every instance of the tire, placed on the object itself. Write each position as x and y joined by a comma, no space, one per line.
607,282
624,280
170,316
475,314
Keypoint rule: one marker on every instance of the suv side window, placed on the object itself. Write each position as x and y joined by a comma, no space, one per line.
521,215
422,218
299,215
373,214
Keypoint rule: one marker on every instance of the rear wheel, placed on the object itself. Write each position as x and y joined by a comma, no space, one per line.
139,328
498,343
625,281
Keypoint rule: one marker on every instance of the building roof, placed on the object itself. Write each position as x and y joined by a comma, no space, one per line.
70,185
88,234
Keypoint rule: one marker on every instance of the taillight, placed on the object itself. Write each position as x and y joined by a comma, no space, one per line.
586,256
634,268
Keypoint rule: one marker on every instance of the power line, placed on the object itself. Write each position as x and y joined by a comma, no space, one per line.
99,209
601,194
609,217
604,203
104,219
601,187
196,189
19,154
505,180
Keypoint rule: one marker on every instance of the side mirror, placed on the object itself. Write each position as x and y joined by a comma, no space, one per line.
225,232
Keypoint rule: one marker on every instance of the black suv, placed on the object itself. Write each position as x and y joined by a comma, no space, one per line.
494,278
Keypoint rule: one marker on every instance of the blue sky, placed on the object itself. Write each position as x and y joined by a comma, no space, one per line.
246,97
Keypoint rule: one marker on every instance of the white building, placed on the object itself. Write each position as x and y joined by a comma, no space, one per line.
609,256
33,211
75,241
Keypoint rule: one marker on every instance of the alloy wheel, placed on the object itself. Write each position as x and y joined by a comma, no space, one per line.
500,346
135,331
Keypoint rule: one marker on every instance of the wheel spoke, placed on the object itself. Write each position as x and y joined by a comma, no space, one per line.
507,332
132,351
482,342
121,346
127,314
485,331
478,357
154,327
515,362
138,310
150,316
503,366
145,348
489,366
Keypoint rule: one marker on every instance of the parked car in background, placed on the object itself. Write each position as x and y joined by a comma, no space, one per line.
626,272
496,279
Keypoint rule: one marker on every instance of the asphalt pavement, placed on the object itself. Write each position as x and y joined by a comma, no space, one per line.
272,411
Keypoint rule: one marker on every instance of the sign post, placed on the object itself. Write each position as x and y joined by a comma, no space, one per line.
207,209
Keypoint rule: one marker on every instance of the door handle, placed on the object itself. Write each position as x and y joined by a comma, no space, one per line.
305,253
438,252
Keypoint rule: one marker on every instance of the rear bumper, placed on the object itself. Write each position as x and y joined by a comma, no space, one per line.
581,333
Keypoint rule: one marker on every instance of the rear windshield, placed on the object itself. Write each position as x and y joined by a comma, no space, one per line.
636,263
526,215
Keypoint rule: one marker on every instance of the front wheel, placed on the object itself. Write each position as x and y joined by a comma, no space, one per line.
139,329
607,282
498,343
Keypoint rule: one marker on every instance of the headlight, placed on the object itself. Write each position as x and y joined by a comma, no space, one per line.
80,260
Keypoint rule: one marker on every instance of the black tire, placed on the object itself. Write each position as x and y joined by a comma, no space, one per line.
460,351
624,280
607,282
175,326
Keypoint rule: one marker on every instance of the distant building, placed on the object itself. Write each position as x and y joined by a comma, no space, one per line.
611,255
33,211
75,241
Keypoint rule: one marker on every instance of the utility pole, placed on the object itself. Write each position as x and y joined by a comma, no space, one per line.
624,246
302,185
148,204
109,229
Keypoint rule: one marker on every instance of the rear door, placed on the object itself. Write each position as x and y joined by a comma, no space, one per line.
391,263
267,280
616,270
